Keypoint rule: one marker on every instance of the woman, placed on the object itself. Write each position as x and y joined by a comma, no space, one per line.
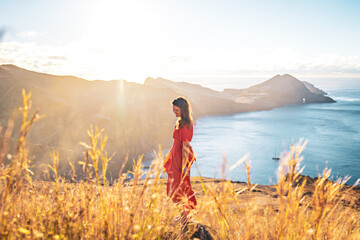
179,160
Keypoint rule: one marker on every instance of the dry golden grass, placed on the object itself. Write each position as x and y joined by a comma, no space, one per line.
138,208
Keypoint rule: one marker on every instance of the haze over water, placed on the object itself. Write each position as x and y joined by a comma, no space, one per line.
332,131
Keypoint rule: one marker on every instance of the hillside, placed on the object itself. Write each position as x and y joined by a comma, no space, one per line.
127,111
136,117
279,91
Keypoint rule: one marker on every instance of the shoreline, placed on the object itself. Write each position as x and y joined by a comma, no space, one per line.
149,156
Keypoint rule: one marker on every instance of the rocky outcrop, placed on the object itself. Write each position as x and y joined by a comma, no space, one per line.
279,91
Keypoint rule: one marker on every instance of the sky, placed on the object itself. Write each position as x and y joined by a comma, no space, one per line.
187,39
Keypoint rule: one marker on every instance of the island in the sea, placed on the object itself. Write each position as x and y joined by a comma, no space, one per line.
136,117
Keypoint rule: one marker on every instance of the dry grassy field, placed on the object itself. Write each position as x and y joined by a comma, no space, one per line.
298,207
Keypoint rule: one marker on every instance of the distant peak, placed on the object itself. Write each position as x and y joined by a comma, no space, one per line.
8,66
288,75
149,79
284,77
12,67
156,80
163,79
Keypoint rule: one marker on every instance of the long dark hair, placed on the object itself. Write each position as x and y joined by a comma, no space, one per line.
185,118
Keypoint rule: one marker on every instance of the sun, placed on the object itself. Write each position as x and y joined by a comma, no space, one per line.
121,38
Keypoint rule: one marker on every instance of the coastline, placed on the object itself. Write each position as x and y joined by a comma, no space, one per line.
126,112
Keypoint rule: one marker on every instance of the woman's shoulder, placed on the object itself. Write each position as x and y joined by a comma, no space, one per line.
188,126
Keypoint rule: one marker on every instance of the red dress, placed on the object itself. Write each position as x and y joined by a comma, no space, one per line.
178,185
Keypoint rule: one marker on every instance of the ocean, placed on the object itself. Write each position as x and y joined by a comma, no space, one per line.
331,129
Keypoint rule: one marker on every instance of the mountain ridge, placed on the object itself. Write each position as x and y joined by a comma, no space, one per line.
136,117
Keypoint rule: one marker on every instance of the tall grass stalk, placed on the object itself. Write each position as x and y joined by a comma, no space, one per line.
137,207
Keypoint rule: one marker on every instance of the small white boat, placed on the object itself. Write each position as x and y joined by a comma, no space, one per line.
276,157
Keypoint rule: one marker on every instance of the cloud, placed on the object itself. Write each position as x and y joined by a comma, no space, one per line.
101,60
266,62
335,63
27,34
57,58
32,56
177,59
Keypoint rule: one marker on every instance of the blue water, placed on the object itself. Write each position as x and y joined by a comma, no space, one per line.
332,131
